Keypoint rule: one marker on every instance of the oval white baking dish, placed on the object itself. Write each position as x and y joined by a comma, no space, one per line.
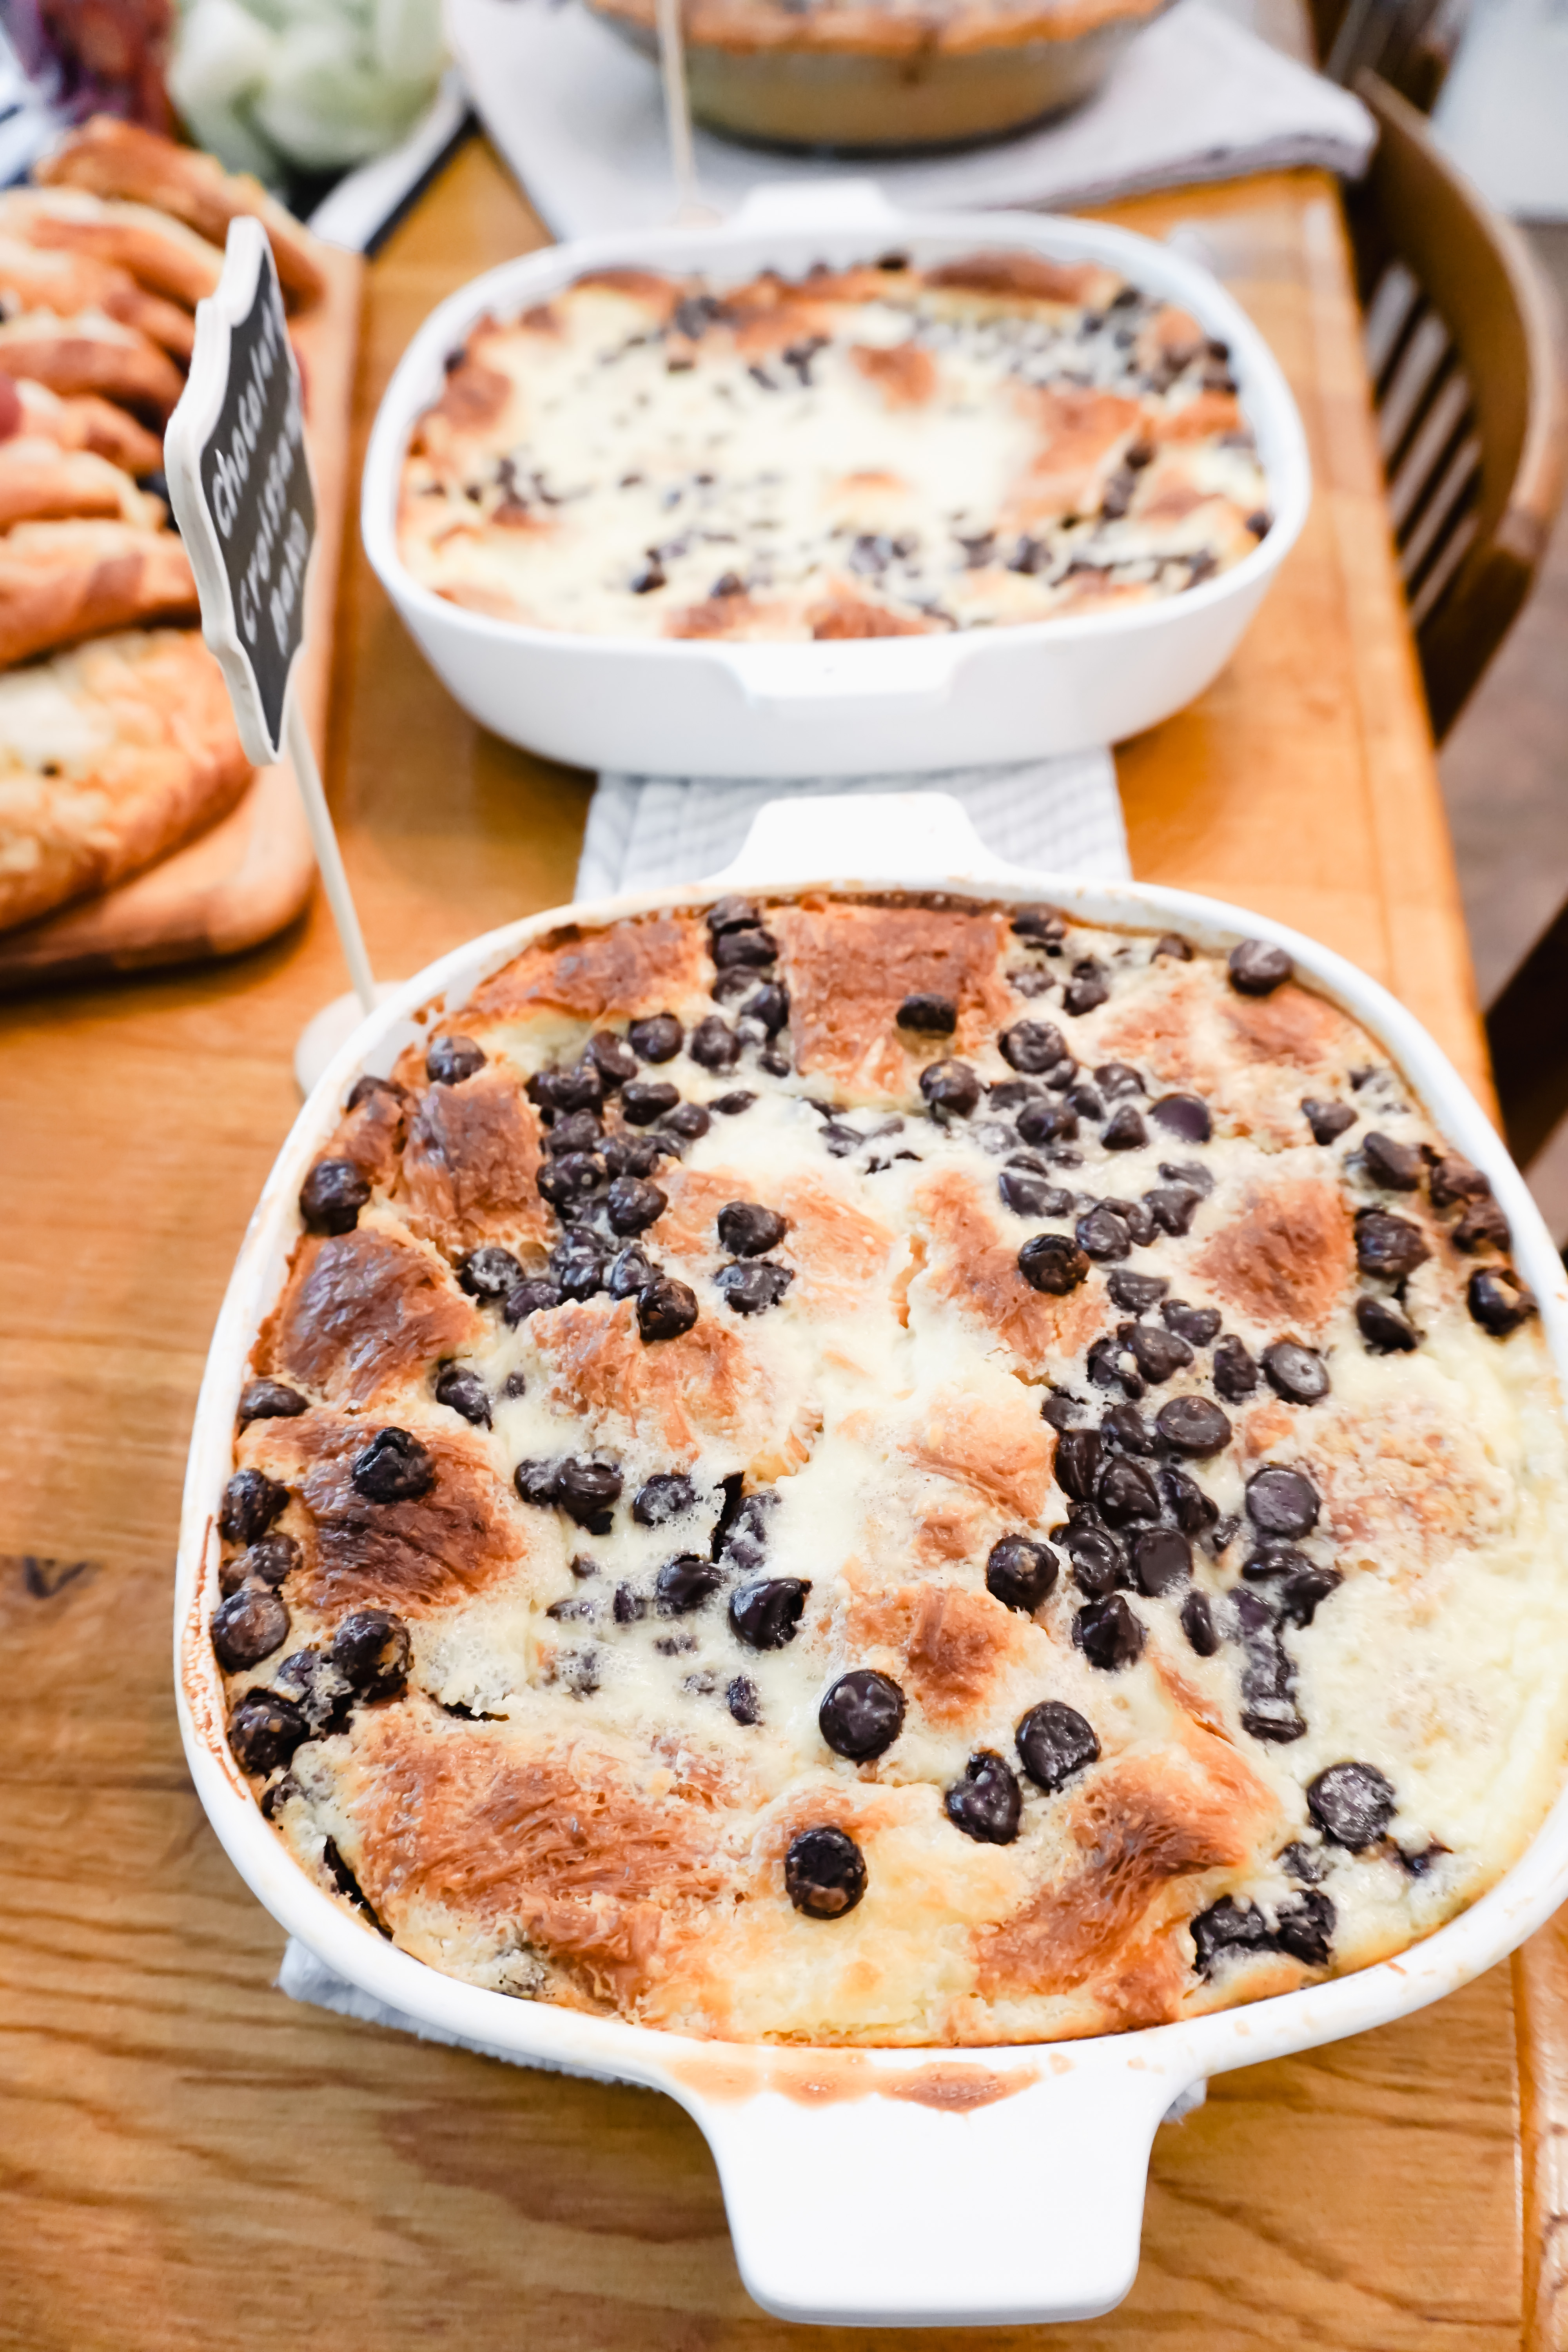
859,2185
878,705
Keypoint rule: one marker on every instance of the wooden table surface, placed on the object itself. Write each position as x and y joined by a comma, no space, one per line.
187,2159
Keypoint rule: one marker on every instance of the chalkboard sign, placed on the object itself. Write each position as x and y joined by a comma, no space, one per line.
239,481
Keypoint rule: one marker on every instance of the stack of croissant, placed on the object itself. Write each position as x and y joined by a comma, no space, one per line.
116,738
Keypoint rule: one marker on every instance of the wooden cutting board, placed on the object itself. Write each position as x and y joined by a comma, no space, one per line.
250,874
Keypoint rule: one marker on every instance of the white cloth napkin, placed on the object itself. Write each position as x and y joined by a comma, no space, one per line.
577,114
1063,815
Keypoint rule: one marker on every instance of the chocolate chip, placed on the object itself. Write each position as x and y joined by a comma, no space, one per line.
731,1105
363,1088
764,1612
1304,1928
1157,1354
463,1392
1498,1300
1136,1293
753,1288
740,1699
251,1501
1388,1245
1308,1863
1299,1595
684,1583
1161,1561
1198,1625
395,1467
264,1731
1124,1130
569,1178
1192,1509
586,1491
1125,1491
1482,1226
1109,1632
1105,1368
1086,1100
629,1272
1053,1263
1083,995
577,1263
490,1273
450,1060
1115,1079
1020,1573
665,1496
1038,924
1197,1324
950,1088
248,1627
1397,1167
370,1650
575,1130
752,948
657,1039
1226,1929
1454,1180
1298,1374
1191,1424
1103,1236
1122,1426
332,1197
1173,1207
561,1092
1191,1175
1172,944
935,1016
688,1120
862,1715
747,1230
1078,1462
988,1802
1054,1743
714,1043
645,1100
665,1309
613,1059
1029,1194
1256,969
1281,1502
824,1873
269,1560
1048,1122
1099,1559
534,1296
1235,1374
1382,1326
631,1206
1031,1047
269,1401
1352,1804
731,913
628,1607
1327,1120
1186,1117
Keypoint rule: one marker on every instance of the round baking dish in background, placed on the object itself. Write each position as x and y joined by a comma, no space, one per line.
975,2187
800,79
877,706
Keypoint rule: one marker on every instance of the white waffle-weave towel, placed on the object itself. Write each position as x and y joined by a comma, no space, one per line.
1063,815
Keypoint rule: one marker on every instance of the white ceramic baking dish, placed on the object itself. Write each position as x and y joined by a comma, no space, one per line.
895,2187
880,705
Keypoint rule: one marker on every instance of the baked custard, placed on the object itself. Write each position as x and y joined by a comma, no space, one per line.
877,451
900,1471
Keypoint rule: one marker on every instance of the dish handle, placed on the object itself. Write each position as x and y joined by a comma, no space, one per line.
840,836
863,2190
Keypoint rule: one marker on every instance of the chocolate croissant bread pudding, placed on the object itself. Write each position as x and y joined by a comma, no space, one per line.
879,451
894,1470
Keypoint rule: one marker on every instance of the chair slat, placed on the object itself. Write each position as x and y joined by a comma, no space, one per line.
1419,362
1429,594
1446,502
1387,314
1413,479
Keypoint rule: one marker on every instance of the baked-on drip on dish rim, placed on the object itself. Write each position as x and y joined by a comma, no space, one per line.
894,1469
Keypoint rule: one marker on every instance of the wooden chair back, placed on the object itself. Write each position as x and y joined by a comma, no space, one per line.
1464,345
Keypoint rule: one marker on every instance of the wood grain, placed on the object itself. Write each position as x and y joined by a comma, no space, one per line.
249,874
186,2159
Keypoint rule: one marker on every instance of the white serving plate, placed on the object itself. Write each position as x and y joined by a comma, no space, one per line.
862,2208
672,706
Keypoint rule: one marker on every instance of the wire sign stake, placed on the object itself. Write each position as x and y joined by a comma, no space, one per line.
239,482
690,209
